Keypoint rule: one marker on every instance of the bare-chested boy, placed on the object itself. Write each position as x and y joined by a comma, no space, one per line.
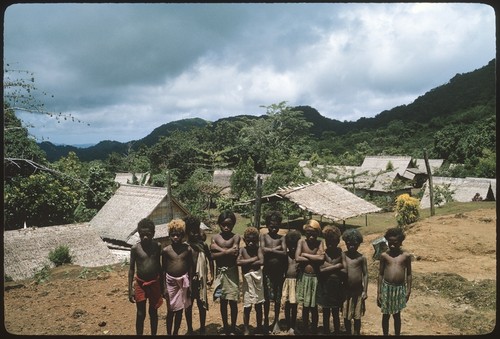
251,259
289,291
225,248
356,268
178,268
330,292
394,280
274,248
145,257
310,255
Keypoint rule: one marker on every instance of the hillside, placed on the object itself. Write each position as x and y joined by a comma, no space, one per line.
465,99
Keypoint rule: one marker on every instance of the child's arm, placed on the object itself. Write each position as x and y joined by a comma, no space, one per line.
408,277
260,256
164,263
215,247
319,256
161,270
131,273
243,259
328,267
211,265
299,258
380,278
365,278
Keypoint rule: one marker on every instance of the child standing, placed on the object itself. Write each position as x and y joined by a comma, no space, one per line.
251,259
178,267
289,290
357,280
330,295
225,248
274,248
145,257
310,255
394,280
200,282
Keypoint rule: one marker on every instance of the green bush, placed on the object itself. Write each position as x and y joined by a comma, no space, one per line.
60,255
42,275
407,209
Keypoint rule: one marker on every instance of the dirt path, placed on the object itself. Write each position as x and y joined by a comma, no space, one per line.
454,289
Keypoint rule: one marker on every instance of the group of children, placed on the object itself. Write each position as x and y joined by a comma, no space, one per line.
285,270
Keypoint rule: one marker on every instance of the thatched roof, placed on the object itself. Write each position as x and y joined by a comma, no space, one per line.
493,183
372,175
118,218
399,163
222,179
464,189
26,251
434,164
421,169
329,200
128,178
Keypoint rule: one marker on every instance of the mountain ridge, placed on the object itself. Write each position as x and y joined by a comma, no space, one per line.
435,108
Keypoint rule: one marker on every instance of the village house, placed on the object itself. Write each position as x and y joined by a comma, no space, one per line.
116,222
461,189
323,198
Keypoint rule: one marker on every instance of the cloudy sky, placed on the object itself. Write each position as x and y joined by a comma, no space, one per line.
125,69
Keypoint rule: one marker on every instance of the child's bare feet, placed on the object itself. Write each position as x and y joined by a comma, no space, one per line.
276,328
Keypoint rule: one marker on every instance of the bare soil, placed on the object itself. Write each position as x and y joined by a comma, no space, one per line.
454,289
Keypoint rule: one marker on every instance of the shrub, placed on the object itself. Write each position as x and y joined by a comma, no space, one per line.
42,275
406,209
60,255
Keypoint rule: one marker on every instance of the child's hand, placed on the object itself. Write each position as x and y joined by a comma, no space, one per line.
131,298
210,281
364,296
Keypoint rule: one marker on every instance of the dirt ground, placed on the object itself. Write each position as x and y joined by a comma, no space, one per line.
454,289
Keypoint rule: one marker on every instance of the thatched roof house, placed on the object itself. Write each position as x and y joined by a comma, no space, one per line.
222,179
375,175
463,189
26,251
117,220
328,199
399,164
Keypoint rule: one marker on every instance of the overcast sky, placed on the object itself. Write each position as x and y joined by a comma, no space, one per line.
125,69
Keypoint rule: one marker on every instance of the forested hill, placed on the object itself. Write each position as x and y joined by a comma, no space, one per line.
464,99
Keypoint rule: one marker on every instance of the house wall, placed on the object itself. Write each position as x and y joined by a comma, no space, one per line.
160,215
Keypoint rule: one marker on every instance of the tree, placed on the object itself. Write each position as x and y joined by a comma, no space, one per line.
40,199
275,137
243,180
20,151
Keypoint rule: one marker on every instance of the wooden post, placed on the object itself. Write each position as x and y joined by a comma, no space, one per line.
431,188
170,207
258,196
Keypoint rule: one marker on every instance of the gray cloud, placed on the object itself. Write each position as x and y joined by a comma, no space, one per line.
128,68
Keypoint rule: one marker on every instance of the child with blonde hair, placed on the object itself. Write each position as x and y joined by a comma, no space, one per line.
178,267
